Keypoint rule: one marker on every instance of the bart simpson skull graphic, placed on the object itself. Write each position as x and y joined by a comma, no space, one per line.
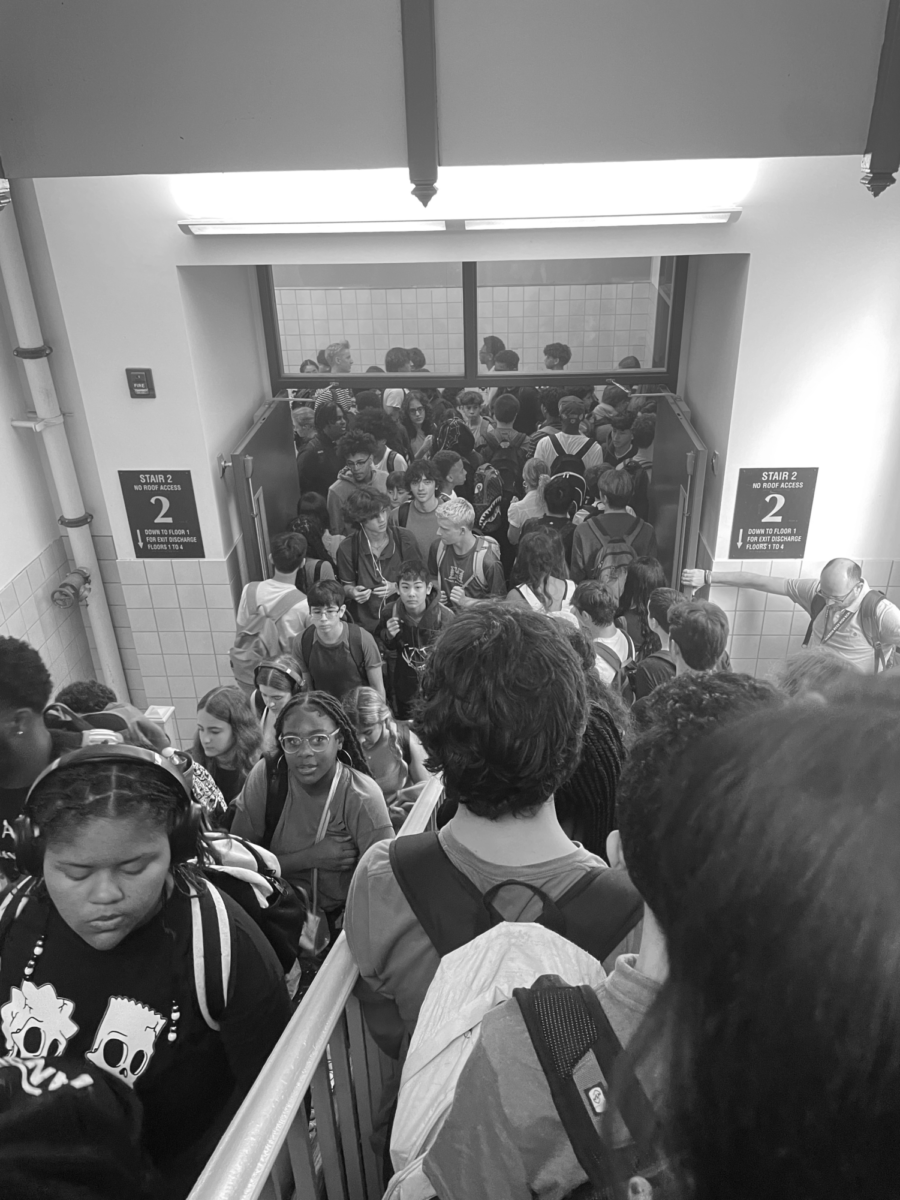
125,1038
36,1022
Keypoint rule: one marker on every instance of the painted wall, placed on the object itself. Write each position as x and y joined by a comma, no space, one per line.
717,287
820,323
213,85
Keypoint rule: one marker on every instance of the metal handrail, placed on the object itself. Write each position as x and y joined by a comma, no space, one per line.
247,1153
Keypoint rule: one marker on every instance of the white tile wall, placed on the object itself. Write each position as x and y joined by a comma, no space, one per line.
601,323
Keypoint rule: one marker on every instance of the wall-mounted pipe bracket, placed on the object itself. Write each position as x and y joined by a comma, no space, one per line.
40,424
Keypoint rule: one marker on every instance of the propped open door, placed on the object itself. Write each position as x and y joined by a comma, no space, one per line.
676,494
266,490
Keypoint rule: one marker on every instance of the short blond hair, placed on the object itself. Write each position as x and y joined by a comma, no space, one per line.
457,511
331,352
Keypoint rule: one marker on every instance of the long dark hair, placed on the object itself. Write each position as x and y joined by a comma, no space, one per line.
644,576
541,557
779,894
405,419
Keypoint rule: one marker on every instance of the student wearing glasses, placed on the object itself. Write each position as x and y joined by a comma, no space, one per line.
333,655
319,762
359,471
846,615
415,417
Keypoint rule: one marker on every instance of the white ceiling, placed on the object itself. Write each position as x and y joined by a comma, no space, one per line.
120,87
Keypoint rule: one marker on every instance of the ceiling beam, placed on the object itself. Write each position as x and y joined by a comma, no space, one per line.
881,159
420,87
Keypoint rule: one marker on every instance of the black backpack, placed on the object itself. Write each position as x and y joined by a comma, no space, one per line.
868,620
506,453
570,1031
595,913
566,463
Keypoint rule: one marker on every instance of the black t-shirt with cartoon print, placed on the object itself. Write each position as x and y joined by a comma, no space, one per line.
115,1008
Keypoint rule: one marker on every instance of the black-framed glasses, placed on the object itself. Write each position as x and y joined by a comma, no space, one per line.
292,743
839,600
324,612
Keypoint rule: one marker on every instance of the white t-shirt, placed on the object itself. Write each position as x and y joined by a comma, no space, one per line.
400,463
621,645
393,397
270,592
571,443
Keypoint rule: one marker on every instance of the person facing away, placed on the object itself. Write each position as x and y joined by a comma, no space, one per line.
837,604
407,629
551,422
616,490
595,606
540,579
561,501
397,361
791,816
532,506
369,560
319,462
103,960
389,439
698,635
466,567
643,576
288,554
317,762
569,441
336,656
490,348
502,713
658,666
503,1136
358,453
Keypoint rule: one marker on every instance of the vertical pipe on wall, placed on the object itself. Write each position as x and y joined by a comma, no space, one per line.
34,354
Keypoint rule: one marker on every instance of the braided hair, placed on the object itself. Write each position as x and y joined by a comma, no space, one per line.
586,802
326,706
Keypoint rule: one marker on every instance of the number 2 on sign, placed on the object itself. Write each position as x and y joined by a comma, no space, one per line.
162,519
770,516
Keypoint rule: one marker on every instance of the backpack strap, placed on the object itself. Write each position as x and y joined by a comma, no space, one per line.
356,651
211,943
276,796
285,604
565,1024
609,656
557,445
403,514
13,903
868,620
818,603
446,903
306,644
634,530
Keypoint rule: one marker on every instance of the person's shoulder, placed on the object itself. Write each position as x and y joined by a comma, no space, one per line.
374,864
407,540
366,638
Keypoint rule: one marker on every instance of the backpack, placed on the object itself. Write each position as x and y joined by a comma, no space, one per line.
616,551
507,457
624,669
259,638
595,913
868,621
566,463
487,498
571,1033
482,546
316,571
467,985
304,643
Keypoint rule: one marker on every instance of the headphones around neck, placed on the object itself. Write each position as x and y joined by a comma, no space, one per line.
174,770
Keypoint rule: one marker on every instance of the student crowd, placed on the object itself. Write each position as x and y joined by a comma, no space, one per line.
649,947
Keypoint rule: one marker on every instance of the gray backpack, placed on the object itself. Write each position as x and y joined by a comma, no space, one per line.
258,637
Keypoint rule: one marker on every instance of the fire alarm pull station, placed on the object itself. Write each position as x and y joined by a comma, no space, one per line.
140,383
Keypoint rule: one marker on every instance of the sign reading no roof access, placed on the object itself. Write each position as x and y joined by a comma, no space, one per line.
162,514
772,511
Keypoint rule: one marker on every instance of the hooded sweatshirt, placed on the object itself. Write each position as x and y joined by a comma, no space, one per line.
415,636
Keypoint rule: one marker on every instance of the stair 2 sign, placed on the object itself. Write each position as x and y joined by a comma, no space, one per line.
772,511
162,514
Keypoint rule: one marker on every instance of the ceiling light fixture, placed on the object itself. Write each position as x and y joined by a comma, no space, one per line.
713,217
214,228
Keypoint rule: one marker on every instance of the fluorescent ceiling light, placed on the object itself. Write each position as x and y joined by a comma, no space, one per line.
215,228
717,217
512,192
